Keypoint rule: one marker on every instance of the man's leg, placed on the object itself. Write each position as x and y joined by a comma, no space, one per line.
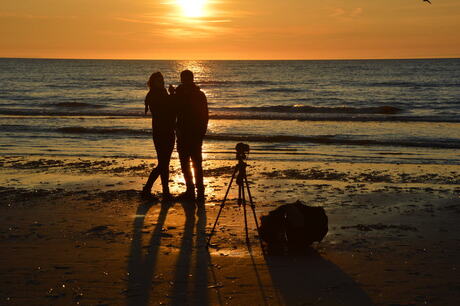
197,160
183,148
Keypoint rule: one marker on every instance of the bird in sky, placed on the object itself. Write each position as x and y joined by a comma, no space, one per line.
427,1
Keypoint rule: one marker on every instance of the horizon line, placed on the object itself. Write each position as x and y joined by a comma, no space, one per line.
242,59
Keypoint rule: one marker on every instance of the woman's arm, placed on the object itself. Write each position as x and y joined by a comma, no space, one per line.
146,102
171,90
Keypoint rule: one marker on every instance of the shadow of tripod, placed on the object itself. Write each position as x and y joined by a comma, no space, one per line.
243,187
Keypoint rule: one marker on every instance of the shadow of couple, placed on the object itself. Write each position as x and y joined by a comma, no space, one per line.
190,277
295,280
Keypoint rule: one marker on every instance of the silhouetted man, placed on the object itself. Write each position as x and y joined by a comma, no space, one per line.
192,123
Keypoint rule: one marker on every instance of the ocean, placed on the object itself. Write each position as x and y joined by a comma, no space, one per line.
357,111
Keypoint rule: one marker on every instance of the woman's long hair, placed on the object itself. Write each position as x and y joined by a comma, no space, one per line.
153,77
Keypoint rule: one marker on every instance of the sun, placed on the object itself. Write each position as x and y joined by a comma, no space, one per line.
192,8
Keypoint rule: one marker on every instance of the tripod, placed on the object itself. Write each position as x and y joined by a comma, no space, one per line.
242,182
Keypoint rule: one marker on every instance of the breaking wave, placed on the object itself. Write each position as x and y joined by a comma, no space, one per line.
77,105
386,109
323,139
287,90
408,84
83,130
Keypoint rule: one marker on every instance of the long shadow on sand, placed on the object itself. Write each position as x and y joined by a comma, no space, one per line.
312,280
141,268
189,285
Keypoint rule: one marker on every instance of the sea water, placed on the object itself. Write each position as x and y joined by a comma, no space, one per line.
372,111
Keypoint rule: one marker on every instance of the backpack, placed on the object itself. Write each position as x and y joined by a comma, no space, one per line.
293,228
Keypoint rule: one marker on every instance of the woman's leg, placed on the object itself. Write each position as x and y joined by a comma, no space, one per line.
152,178
157,170
163,164
164,147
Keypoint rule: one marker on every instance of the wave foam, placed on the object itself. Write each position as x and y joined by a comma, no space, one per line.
322,139
385,109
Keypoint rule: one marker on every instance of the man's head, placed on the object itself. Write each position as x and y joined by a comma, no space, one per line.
186,77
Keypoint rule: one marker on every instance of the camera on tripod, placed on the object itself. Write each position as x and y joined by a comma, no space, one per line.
242,150
239,175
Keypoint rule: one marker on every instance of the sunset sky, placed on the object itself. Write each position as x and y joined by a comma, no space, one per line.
229,29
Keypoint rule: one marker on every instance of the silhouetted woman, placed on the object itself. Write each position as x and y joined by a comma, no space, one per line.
161,107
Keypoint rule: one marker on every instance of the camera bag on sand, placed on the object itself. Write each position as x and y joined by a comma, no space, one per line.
293,227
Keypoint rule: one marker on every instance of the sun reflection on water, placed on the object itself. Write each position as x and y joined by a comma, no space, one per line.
202,72
199,68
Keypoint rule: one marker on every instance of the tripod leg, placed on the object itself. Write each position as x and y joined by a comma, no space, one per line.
253,207
221,206
243,200
240,198
251,203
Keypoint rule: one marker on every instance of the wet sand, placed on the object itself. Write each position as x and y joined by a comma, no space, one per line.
76,231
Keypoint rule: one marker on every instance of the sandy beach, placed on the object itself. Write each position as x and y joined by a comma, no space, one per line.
76,231
345,111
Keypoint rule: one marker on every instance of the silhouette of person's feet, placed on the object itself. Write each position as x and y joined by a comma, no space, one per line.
188,195
167,196
147,194
146,191
200,196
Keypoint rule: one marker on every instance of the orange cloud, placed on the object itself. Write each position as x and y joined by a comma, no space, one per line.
346,14
231,29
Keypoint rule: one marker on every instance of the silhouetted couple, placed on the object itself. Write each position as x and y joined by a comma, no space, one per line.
183,114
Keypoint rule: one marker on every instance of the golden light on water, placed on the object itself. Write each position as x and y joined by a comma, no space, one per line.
192,8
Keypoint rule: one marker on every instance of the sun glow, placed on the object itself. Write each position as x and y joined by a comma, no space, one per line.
192,8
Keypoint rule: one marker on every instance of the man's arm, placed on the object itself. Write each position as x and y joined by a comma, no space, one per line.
205,114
